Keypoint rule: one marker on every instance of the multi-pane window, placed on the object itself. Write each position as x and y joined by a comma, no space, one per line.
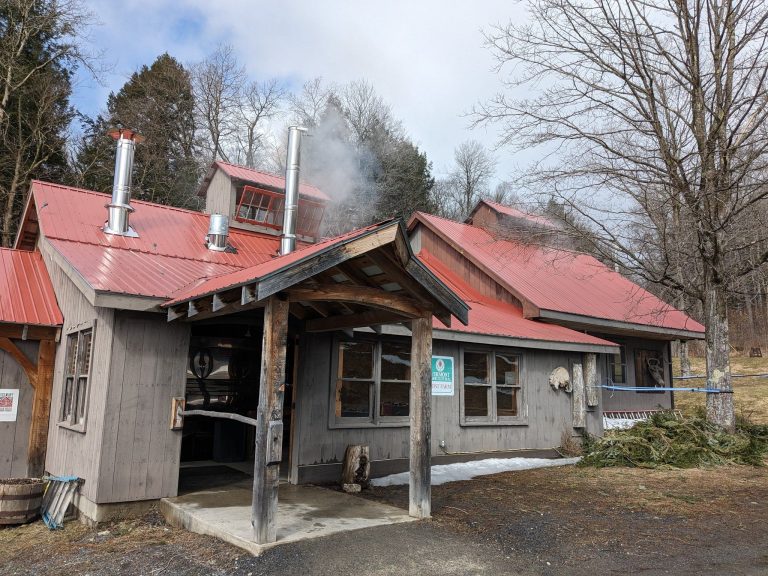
373,381
266,208
617,366
492,387
76,372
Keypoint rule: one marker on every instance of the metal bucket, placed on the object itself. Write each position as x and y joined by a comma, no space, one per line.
20,499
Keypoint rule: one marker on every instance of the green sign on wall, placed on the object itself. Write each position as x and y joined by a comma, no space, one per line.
442,376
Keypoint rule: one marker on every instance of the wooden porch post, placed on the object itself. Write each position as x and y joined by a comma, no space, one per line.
41,408
420,505
269,428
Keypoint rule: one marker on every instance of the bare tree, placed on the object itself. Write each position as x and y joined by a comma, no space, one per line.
657,111
61,24
259,103
308,106
217,83
470,177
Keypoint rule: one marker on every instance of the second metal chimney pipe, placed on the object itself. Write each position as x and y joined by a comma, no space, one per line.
120,208
292,162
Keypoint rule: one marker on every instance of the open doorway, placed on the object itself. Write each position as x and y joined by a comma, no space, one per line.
223,376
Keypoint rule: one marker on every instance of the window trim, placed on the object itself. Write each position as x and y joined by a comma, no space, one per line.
309,213
623,354
493,419
376,421
69,422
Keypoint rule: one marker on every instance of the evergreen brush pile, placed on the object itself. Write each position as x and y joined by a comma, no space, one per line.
664,440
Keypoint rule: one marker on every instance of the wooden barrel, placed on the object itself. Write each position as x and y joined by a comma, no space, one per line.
20,499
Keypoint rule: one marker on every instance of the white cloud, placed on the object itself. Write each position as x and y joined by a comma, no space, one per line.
425,58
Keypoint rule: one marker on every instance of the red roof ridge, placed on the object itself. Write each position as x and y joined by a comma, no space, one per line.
133,200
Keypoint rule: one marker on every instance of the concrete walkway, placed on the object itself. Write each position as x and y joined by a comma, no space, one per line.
303,512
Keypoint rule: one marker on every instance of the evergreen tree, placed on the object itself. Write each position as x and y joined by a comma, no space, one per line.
35,87
156,102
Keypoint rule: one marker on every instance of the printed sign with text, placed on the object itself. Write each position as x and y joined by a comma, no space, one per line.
442,376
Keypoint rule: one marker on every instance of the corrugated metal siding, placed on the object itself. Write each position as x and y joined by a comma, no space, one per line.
26,293
559,280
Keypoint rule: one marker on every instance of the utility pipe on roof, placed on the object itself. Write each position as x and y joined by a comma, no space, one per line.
119,209
292,162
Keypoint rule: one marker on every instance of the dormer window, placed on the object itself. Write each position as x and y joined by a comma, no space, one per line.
261,207
265,208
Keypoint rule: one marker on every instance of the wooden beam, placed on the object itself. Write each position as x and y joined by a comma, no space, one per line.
29,367
398,274
368,318
41,409
248,294
176,312
369,296
298,311
420,416
32,332
302,270
224,299
269,427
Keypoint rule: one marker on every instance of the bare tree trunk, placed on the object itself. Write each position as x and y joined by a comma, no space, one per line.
719,405
685,359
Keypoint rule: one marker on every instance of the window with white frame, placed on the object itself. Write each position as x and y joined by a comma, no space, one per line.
76,376
492,389
373,382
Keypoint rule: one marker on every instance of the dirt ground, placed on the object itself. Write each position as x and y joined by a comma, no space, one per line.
548,521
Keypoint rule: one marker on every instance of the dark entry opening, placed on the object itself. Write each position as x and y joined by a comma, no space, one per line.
223,375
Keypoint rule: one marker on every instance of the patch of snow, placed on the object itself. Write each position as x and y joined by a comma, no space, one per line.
467,470
619,423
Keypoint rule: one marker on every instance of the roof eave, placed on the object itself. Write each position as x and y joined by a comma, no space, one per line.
507,341
602,324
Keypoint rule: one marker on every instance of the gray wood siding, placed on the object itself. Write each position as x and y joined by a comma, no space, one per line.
615,400
14,436
220,196
72,452
549,412
140,453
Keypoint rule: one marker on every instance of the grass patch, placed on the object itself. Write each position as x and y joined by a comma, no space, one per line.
750,395
663,440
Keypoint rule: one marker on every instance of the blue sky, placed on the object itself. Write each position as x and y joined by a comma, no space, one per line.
425,58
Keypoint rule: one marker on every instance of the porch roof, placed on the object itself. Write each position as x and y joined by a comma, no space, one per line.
334,283
27,293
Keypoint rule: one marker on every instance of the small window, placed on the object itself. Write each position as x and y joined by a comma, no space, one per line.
257,206
492,386
373,383
76,376
617,366
266,208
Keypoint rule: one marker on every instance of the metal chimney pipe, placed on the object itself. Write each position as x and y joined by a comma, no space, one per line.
119,209
292,162
218,232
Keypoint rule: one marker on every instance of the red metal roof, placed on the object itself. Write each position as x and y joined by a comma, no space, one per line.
239,277
168,255
559,280
26,293
515,213
489,316
272,180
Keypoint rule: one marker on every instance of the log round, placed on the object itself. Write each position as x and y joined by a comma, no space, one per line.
20,499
